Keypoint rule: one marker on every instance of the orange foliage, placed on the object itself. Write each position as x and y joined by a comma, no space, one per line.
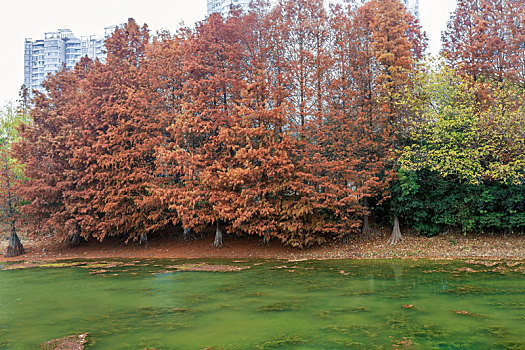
276,123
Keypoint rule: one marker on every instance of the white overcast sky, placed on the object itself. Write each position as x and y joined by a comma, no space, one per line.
32,18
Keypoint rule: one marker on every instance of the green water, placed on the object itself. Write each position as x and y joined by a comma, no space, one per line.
286,305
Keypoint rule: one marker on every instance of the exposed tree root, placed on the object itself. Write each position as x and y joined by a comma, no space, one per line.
15,247
396,233
218,236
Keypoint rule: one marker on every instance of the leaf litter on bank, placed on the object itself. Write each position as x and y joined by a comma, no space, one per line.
207,267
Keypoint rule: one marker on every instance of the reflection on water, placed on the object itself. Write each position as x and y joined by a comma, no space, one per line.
304,305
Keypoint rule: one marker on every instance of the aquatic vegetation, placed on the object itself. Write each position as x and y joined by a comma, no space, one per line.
399,295
277,307
100,265
507,305
472,290
487,263
358,293
313,287
181,310
326,314
267,282
500,269
280,341
431,331
496,331
467,269
349,328
412,328
338,311
159,311
405,342
467,313
359,309
513,345
453,345
164,318
231,288
196,298
352,344
520,269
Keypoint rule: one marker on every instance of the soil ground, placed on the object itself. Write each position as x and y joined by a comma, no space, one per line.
449,246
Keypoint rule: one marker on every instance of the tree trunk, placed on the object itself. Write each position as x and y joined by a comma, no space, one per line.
367,233
15,247
396,232
346,239
143,239
218,236
74,235
265,240
186,234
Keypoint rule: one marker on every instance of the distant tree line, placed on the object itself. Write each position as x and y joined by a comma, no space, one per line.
289,122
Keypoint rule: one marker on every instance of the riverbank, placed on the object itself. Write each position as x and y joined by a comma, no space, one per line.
450,246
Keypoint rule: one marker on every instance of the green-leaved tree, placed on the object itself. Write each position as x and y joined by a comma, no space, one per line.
10,175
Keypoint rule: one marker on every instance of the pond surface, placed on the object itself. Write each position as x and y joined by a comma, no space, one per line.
340,304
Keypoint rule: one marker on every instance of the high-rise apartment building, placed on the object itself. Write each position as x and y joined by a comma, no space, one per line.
412,6
58,49
224,6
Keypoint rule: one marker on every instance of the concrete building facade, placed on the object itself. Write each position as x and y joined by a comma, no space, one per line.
57,49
